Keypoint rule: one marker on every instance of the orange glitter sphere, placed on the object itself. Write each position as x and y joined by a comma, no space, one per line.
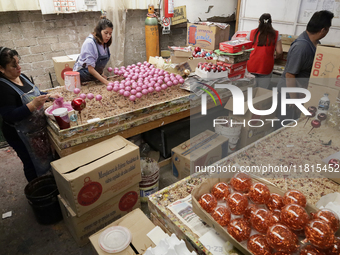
319,234
310,250
222,215
294,197
258,245
294,216
249,211
335,248
241,182
221,190
328,216
208,202
275,202
274,217
260,220
239,229
259,193
237,203
280,238
281,253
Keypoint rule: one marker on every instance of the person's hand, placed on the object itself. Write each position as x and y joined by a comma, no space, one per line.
52,97
39,100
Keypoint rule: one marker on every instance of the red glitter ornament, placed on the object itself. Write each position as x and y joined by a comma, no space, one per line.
241,182
257,244
275,202
239,229
249,211
310,250
222,215
221,190
237,203
259,193
274,217
335,248
280,238
208,202
294,197
319,234
260,220
294,216
328,216
281,253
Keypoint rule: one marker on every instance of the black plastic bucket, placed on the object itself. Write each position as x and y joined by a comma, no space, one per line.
42,194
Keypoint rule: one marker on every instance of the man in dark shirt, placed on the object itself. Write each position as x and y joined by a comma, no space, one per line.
300,59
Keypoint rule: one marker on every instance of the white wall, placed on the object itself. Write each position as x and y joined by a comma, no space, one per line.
197,8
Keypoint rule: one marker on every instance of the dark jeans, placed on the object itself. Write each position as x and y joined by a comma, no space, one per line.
23,154
290,113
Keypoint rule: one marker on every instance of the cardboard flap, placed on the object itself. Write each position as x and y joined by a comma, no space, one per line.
89,155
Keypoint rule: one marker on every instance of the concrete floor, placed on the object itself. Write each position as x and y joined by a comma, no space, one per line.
20,233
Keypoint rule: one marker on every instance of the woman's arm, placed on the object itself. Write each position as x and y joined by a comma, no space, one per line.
278,49
97,75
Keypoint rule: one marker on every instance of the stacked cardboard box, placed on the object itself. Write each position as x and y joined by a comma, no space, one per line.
98,185
325,75
62,65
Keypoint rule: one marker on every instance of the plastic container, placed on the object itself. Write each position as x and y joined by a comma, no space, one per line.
115,239
72,80
150,178
41,194
233,133
62,118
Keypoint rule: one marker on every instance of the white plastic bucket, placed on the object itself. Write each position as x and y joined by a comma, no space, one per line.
72,80
233,133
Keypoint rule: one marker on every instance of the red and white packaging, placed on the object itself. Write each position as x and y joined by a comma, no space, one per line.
237,75
236,68
235,46
240,35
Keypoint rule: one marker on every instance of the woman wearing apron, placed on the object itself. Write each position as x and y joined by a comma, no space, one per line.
95,53
22,111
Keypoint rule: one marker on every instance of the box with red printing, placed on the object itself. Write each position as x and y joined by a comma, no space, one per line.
237,75
236,68
235,46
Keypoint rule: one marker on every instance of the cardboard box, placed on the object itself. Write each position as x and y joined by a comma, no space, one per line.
61,65
183,54
235,68
89,177
262,100
81,228
205,187
326,67
318,91
201,150
180,15
235,46
288,39
206,37
193,62
210,75
138,224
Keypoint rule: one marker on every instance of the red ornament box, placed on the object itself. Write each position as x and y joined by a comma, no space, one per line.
206,187
235,46
236,68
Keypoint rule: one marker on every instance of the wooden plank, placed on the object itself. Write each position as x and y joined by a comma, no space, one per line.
237,14
165,162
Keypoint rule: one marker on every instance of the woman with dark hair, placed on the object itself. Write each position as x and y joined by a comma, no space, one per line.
22,111
95,53
266,42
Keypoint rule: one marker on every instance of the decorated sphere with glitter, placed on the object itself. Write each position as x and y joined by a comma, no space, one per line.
274,217
294,216
294,197
310,250
281,238
330,217
241,182
251,208
319,234
237,203
222,215
260,220
220,190
259,193
335,247
275,202
208,202
239,229
257,244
